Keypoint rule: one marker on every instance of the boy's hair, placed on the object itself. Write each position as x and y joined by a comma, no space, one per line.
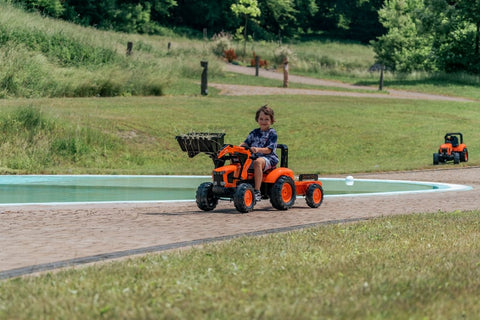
267,111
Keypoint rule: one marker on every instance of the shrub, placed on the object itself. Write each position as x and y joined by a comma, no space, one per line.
230,55
261,63
221,42
281,53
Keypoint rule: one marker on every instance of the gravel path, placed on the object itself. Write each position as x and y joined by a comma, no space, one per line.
230,89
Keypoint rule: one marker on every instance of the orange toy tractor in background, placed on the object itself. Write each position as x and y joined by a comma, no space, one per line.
233,176
453,149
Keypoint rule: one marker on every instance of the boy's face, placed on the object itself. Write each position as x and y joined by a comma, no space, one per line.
264,121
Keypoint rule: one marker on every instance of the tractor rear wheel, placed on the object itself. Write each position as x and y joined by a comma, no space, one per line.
244,198
283,193
314,195
206,199
436,158
464,155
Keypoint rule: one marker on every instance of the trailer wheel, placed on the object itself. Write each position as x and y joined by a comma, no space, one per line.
314,195
244,198
456,158
283,193
464,155
206,199
436,158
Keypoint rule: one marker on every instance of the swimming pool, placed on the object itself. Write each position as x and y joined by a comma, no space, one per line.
62,189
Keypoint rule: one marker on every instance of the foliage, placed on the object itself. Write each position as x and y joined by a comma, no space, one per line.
230,55
262,63
279,19
221,42
403,48
430,35
248,9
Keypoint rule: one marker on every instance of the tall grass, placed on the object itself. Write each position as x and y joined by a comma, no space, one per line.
43,57
405,267
31,141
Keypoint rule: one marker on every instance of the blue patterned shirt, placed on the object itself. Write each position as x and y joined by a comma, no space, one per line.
264,139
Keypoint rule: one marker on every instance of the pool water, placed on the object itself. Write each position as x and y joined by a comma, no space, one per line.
31,189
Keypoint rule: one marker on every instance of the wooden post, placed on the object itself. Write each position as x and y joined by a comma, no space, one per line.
203,88
205,33
285,72
380,87
129,48
169,45
257,65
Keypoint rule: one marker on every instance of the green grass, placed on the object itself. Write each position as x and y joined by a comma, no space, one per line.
420,266
136,135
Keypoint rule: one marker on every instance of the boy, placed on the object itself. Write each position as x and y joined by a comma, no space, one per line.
263,142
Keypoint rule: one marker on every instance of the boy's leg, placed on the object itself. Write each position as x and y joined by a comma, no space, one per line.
258,166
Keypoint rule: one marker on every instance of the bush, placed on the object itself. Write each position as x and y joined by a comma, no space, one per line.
221,42
230,55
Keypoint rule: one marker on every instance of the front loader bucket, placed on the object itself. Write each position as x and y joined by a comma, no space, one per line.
196,142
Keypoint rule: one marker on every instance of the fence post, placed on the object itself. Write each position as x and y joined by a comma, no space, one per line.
285,72
257,64
129,48
204,89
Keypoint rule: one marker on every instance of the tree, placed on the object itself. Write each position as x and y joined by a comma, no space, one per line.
248,9
405,47
455,25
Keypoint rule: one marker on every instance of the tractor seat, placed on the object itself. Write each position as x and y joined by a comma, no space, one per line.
454,141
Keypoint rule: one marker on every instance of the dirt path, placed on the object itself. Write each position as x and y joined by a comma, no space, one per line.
47,237
228,89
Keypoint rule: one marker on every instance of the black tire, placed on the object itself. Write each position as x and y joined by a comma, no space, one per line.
456,158
283,193
314,195
436,158
244,198
464,155
206,199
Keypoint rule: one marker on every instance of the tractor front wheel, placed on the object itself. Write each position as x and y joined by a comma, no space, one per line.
456,158
206,199
314,195
283,193
436,158
244,198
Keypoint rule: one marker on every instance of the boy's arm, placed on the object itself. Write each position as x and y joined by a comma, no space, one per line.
261,150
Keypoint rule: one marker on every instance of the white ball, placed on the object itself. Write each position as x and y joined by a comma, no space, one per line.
349,181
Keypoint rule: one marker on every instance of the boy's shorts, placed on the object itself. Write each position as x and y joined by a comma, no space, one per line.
267,164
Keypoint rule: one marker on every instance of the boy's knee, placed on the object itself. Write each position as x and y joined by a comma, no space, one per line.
260,163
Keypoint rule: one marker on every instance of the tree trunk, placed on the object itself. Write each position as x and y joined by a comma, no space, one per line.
477,40
245,37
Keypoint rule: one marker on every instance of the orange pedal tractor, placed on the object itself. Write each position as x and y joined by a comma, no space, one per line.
453,149
233,176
